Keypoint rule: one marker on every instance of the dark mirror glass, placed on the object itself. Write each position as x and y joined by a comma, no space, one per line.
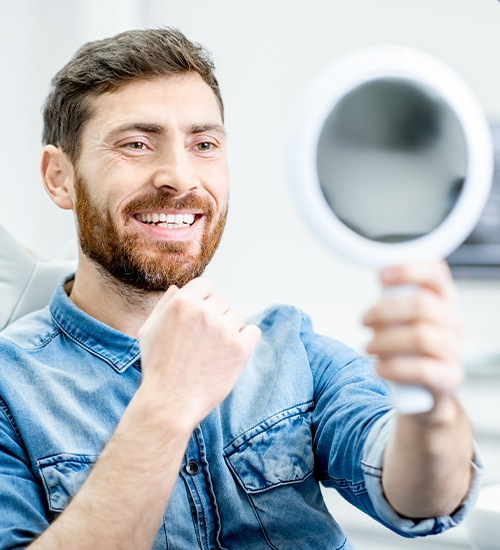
392,159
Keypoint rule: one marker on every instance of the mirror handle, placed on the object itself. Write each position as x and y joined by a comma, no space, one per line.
407,398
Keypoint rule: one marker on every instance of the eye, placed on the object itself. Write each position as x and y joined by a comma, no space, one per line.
205,146
136,145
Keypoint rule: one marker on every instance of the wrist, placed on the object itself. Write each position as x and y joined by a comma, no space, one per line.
445,412
162,413
438,429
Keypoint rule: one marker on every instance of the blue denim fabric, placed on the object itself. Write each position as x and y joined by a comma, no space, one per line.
306,410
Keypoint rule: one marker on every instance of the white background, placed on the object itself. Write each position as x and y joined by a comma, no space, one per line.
267,52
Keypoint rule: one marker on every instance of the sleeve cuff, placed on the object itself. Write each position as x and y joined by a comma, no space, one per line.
372,469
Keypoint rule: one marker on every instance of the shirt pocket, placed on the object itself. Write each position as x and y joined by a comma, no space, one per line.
62,476
273,465
276,452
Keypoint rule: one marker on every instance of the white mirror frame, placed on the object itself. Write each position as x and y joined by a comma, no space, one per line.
346,74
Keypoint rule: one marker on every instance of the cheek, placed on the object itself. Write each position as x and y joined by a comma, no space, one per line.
218,184
107,190
107,174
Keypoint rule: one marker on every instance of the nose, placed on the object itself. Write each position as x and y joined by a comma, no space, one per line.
176,171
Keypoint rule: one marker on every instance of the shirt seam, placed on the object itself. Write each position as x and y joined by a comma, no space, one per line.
37,347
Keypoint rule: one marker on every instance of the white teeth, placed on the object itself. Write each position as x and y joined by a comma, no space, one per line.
171,221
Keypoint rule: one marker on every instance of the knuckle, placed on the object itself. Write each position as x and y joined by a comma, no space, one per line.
240,318
422,336
185,303
425,303
420,304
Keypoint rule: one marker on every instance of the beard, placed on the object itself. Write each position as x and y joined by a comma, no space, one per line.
139,262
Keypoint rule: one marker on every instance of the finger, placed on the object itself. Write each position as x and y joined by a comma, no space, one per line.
235,319
172,289
159,307
182,299
433,275
422,340
250,335
216,304
439,377
419,306
198,289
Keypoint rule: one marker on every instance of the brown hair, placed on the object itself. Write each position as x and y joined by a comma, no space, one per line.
106,65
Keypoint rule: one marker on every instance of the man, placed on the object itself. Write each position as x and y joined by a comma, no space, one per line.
140,410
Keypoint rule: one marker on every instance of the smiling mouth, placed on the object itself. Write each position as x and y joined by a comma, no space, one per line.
169,221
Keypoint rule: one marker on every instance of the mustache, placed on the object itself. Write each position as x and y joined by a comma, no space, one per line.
160,201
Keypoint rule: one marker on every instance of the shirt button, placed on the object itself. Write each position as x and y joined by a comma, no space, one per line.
192,468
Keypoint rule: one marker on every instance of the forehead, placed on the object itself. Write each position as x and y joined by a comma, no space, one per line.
185,98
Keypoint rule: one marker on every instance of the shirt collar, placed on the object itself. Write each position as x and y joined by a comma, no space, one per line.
117,349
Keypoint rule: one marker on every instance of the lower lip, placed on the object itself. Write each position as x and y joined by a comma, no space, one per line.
186,233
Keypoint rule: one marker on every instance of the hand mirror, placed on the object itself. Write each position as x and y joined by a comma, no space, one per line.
392,162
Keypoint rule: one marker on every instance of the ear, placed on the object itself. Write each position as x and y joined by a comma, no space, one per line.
58,176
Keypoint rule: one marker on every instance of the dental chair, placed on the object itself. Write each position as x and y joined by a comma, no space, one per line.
26,282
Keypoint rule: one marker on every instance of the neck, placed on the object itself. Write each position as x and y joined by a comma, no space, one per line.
110,301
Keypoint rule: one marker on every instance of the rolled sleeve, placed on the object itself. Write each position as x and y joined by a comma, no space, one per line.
372,469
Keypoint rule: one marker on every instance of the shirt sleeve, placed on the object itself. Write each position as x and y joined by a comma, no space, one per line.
349,398
372,468
352,420
23,514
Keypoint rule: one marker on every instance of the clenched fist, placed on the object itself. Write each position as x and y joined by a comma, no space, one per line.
193,349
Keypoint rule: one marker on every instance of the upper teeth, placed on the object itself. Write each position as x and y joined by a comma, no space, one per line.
175,220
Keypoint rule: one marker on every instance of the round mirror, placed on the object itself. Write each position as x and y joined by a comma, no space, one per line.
392,158
392,162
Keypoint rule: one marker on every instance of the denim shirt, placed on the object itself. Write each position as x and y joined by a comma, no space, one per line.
306,410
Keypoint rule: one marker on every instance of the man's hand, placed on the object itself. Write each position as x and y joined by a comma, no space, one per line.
417,336
193,349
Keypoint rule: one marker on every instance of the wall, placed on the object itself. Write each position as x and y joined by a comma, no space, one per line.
36,39
267,52
276,48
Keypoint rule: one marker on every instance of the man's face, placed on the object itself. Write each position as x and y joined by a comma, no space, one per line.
151,182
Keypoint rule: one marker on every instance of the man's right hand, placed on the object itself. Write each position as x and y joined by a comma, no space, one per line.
193,349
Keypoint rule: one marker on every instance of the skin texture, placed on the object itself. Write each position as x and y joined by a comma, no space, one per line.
164,138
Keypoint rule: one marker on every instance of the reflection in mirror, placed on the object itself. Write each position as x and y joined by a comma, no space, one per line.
391,160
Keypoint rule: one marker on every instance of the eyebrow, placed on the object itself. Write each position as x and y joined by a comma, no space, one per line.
209,127
148,128
158,129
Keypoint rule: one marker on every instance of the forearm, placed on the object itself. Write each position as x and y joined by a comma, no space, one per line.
427,464
122,502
